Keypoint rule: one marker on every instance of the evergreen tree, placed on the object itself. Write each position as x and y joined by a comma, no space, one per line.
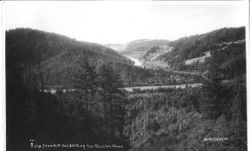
113,97
85,81
214,101
238,107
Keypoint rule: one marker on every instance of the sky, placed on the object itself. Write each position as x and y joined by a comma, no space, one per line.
120,22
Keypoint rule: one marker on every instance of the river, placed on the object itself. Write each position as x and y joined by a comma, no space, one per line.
136,61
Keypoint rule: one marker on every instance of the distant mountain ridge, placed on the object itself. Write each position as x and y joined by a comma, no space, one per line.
142,45
117,47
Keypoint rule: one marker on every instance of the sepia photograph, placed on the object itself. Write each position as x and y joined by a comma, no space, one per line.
125,75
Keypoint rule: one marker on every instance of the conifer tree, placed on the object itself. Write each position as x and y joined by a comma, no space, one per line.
214,100
85,81
113,97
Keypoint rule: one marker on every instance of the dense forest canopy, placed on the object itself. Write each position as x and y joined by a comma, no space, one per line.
54,55
195,46
91,105
46,45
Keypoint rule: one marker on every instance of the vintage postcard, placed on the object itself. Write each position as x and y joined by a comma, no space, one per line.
125,75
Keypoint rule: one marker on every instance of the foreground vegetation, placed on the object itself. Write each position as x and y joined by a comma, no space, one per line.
99,111
177,119
94,114
209,118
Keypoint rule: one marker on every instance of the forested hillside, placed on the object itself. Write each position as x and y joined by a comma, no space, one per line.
195,46
44,45
91,104
48,60
143,45
210,118
51,57
189,53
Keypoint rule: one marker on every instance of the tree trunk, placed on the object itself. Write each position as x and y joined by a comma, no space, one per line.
86,101
29,77
111,123
41,77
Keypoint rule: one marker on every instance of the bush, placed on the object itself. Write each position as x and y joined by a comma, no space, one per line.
153,126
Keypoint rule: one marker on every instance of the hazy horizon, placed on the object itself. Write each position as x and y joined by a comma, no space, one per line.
121,22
